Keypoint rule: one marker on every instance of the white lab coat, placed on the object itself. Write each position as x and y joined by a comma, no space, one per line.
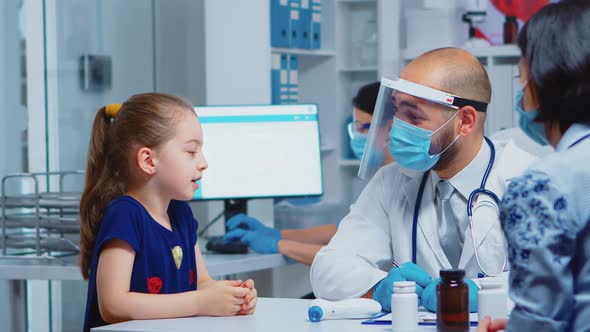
378,229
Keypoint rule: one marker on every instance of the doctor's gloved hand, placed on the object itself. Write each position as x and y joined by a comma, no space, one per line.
251,224
429,300
259,241
406,272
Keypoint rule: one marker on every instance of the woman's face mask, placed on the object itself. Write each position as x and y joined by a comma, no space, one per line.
534,130
357,141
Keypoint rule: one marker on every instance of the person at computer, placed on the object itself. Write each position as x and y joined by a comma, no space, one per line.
303,244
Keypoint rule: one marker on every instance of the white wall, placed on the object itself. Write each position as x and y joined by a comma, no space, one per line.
237,47
180,40
389,18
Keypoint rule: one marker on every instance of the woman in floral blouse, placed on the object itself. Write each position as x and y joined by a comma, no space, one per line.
545,213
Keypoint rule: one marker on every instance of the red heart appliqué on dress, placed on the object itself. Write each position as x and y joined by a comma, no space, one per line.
154,285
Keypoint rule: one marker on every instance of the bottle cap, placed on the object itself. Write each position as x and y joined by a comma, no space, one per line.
404,287
454,274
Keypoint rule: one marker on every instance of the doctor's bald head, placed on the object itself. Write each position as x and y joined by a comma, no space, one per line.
452,70
459,133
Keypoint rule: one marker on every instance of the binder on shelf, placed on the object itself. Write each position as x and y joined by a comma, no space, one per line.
316,24
284,80
284,100
305,24
275,78
293,79
294,23
279,23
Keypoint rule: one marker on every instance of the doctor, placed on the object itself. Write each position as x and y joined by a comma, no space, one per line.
414,211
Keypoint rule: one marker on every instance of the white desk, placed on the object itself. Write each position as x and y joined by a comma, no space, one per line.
283,315
20,269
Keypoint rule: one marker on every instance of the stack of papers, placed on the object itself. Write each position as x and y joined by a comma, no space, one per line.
424,318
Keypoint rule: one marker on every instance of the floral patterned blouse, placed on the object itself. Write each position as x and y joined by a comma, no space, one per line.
545,215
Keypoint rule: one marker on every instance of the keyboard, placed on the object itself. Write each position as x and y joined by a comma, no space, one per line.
216,244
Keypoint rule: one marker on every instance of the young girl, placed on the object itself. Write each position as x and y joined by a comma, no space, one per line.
138,235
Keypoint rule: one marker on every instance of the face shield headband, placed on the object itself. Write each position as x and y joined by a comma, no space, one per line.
379,133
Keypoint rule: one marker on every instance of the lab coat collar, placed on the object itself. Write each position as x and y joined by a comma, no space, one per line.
411,173
469,178
574,133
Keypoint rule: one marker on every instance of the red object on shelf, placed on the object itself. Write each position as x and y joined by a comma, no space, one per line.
510,30
479,34
523,9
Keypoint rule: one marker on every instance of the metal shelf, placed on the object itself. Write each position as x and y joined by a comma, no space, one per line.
480,52
359,69
304,52
327,148
355,2
349,163
37,220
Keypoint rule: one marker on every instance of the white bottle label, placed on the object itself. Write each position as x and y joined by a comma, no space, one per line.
404,312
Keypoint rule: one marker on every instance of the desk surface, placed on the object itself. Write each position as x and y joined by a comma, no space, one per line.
271,314
66,268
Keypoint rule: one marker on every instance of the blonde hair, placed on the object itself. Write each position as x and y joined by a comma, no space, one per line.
148,120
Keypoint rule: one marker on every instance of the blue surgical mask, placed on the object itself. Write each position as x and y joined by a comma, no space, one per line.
357,144
357,141
534,130
410,145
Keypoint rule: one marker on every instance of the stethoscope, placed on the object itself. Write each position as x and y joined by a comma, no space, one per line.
479,191
578,141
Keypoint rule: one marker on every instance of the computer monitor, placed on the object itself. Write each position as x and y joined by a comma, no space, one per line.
259,151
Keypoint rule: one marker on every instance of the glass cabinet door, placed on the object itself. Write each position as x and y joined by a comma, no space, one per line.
13,133
99,52
103,52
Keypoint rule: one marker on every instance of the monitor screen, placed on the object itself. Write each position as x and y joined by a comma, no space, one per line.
258,151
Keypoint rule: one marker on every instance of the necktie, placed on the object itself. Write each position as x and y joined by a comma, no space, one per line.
448,229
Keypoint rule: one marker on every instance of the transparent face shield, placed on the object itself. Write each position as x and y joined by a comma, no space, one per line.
407,102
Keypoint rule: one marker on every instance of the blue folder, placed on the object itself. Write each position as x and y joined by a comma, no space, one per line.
294,23
293,79
316,24
279,23
275,78
305,24
284,80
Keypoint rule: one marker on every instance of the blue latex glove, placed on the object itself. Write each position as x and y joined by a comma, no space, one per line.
406,272
429,300
248,223
257,240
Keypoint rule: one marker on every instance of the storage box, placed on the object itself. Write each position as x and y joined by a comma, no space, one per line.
428,4
427,29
